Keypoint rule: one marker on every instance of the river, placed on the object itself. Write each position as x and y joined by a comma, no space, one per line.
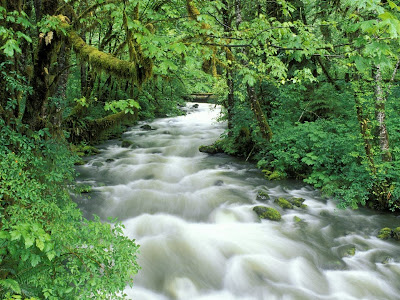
199,238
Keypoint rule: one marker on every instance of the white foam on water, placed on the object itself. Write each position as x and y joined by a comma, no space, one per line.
192,215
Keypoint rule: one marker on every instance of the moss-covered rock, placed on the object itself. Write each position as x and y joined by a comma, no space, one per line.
126,144
297,219
79,162
211,149
346,250
282,202
385,233
396,233
298,202
84,150
262,196
265,212
147,127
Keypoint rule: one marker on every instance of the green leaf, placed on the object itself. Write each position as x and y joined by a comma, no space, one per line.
11,284
40,244
4,235
35,260
10,47
249,79
23,35
361,64
15,235
51,254
29,240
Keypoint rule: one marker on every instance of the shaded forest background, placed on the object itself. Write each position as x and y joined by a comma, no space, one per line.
309,90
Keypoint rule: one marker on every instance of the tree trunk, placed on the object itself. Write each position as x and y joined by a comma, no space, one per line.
35,114
262,122
380,114
230,101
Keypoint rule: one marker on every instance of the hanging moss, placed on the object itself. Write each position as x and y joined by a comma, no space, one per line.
192,10
138,69
102,61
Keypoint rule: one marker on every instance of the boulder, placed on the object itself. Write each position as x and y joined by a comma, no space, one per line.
396,233
282,202
147,127
264,212
210,149
262,196
298,202
297,219
385,233
126,144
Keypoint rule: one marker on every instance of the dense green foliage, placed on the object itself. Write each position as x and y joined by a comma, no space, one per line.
309,90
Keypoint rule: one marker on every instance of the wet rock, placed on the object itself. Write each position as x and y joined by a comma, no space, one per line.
346,250
79,162
262,196
396,233
385,233
126,144
282,202
265,212
90,150
195,106
218,183
109,160
210,149
147,127
97,164
297,219
298,202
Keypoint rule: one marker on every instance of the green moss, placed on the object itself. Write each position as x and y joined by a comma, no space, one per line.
282,202
126,144
265,212
385,233
138,70
211,149
262,196
396,233
79,162
274,175
351,251
298,202
297,219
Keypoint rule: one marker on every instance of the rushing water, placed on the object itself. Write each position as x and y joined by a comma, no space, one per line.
192,215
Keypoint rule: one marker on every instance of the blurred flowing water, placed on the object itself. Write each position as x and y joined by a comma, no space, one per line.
192,215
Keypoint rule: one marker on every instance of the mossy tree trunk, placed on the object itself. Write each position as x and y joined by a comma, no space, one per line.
230,101
45,56
262,122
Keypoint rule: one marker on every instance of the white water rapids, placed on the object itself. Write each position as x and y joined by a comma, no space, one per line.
199,238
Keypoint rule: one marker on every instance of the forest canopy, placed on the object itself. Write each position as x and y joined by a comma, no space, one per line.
309,90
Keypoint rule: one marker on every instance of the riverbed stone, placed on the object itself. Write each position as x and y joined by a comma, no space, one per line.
298,202
262,196
210,149
297,219
282,202
385,233
396,233
265,212
147,127
126,144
